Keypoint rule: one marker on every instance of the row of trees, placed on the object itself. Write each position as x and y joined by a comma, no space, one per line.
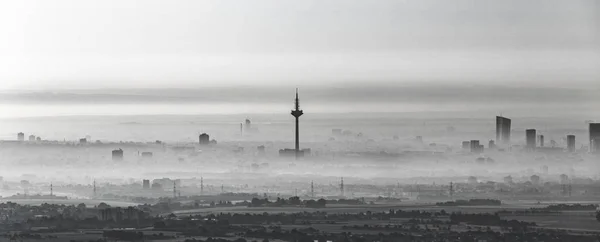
292,201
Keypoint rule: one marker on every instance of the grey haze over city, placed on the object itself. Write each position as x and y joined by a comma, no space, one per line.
272,120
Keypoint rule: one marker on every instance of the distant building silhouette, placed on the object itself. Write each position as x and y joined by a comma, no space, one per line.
336,132
294,153
571,143
204,139
31,137
21,136
491,144
156,186
117,155
476,147
594,137
146,154
472,180
83,141
530,139
146,184
248,124
38,138
261,150
502,130
466,145
419,139
541,140
564,179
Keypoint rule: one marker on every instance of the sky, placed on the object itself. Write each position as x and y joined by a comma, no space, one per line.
74,44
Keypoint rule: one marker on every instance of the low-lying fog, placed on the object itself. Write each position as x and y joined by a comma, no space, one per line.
376,149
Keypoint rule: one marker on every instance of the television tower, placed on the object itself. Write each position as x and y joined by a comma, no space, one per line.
297,113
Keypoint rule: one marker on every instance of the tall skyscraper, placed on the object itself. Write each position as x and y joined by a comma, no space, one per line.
530,139
502,130
21,136
297,113
571,143
594,137
541,140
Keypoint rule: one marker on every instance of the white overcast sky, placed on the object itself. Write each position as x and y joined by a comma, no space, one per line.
122,43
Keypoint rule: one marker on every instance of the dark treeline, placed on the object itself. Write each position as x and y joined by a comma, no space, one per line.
471,202
292,201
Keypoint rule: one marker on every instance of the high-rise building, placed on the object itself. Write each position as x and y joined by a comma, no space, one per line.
594,137
146,184
492,144
248,124
571,143
261,150
466,145
541,140
530,139
203,139
21,136
117,155
502,130
32,138
476,147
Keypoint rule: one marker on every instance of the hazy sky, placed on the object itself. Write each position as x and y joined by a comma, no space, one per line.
147,43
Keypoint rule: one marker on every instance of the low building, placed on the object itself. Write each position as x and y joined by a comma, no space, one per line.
117,155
